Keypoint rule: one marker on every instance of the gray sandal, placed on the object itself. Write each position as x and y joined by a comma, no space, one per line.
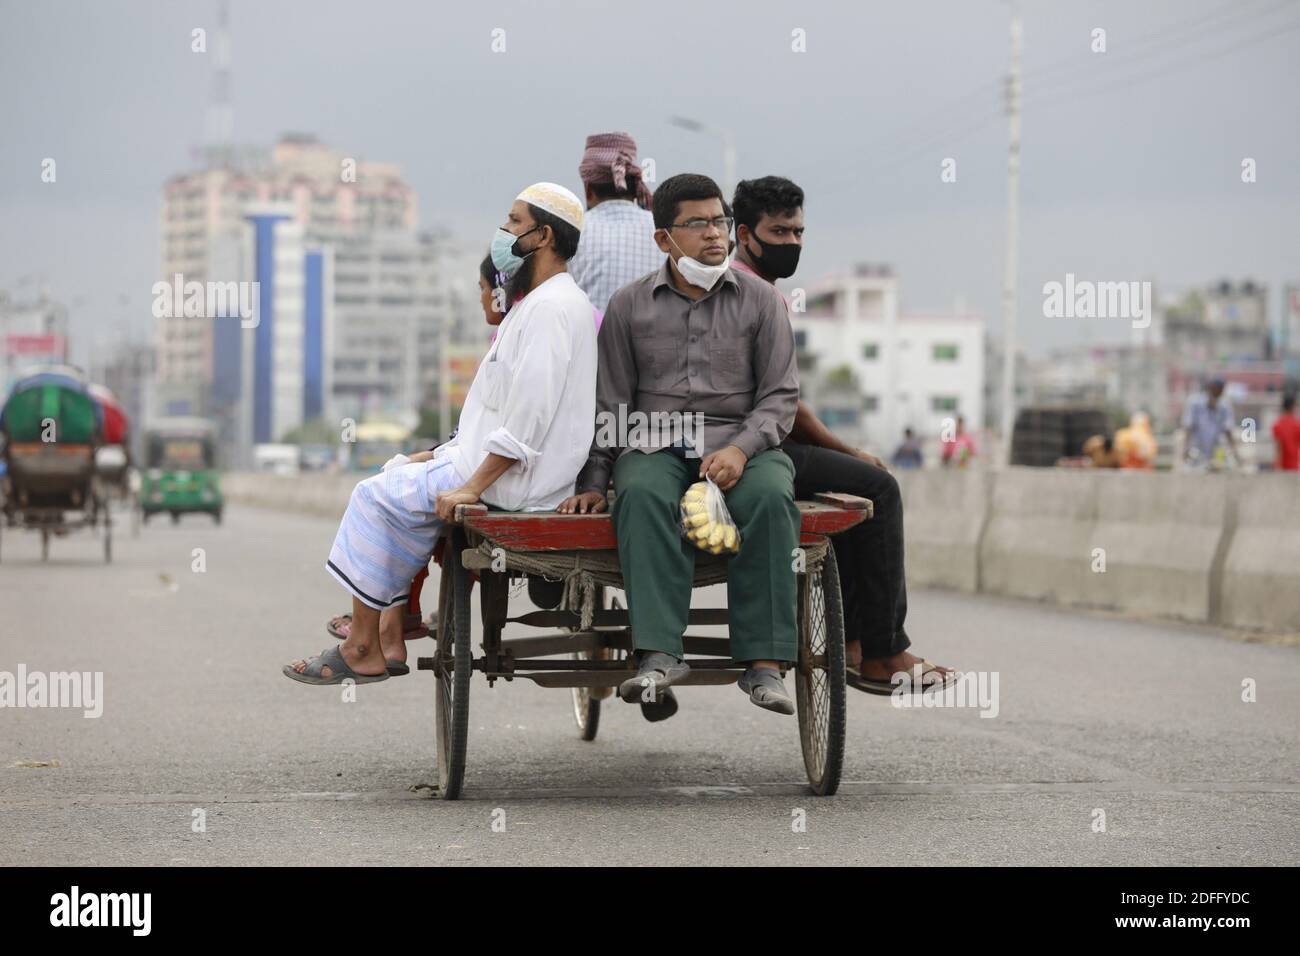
766,689
333,659
656,669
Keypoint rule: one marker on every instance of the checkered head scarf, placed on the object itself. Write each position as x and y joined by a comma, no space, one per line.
611,158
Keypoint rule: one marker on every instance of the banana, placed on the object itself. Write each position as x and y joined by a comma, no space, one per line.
698,520
730,538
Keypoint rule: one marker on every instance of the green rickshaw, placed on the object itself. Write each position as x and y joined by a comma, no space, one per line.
180,469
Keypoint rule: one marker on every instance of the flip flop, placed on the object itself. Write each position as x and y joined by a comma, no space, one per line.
396,668
885,688
332,658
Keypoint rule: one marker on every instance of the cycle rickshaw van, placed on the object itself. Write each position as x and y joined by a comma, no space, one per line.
51,427
590,654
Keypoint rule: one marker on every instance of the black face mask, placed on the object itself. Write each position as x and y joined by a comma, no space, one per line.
779,259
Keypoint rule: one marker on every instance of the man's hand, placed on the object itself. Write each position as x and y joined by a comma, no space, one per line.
724,466
869,459
448,500
592,502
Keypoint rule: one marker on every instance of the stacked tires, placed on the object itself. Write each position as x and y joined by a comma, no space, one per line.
1044,435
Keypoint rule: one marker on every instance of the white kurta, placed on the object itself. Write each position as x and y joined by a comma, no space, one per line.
533,400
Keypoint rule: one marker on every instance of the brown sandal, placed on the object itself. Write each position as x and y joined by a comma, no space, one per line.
886,687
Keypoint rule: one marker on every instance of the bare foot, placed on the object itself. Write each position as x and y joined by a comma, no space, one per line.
884,668
368,662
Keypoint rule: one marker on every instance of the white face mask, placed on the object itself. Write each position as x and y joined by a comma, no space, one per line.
696,272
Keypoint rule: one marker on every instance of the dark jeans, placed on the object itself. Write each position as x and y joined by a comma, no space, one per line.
870,555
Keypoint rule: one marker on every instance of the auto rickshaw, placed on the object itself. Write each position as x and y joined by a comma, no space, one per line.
180,469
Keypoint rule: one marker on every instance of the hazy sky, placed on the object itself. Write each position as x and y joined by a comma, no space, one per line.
1132,157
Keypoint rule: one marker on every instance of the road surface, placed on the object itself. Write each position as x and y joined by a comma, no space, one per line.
1142,721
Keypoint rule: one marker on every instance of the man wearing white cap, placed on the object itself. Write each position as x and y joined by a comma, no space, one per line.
524,433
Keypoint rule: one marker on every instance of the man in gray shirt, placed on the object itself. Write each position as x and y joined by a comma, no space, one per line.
712,352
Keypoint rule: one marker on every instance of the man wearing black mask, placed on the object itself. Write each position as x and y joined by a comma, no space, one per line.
769,239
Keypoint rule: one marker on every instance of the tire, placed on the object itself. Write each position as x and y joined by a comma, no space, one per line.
586,709
453,671
108,536
819,677
176,518
45,545
586,706
216,517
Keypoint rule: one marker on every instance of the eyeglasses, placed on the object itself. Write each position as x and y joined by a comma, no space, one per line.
721,223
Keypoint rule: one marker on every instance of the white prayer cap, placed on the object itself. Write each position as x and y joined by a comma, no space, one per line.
556,200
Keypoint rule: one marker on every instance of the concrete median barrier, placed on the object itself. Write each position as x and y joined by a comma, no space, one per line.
322,495
1037,542
943,519
1261,571
1160,537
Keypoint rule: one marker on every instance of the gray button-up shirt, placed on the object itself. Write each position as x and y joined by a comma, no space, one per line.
728,356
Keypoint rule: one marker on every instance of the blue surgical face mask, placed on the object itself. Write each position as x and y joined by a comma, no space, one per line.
504,252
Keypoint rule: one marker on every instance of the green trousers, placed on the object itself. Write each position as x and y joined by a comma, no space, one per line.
658,562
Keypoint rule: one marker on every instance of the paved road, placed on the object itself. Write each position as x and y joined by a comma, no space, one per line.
1143,721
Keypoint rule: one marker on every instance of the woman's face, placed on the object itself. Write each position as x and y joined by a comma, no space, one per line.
488,301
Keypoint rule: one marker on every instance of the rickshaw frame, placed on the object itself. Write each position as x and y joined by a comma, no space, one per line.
596,658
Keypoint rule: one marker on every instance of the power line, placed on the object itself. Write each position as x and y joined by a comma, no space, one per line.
1172,67
1036,97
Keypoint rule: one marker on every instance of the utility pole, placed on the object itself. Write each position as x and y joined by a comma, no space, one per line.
1013,237
728,140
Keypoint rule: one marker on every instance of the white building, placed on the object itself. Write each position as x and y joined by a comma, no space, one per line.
32,333
912,370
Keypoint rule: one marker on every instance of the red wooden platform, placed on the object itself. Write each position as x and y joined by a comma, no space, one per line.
548,531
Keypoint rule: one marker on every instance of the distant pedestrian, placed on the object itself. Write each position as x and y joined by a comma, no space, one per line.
1286,436
1100,452
1207,426
1135,445
908,454
960,448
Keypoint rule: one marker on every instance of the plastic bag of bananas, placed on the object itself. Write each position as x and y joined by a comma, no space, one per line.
706,523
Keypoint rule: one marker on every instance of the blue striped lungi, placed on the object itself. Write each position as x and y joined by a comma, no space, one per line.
389,531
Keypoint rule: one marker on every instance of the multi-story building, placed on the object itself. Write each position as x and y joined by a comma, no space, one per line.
331,197
355,305
910,370
399,299
31,333
1222,329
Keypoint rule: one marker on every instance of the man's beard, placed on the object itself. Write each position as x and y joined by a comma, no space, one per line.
521,282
